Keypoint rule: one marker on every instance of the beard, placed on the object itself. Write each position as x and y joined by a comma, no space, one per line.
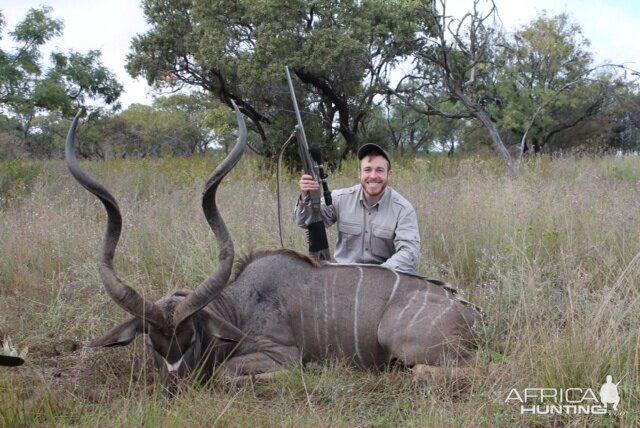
374,188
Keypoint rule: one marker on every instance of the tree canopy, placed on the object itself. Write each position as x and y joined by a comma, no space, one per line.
408,75
238,50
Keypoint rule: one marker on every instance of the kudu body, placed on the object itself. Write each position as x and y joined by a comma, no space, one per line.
282,307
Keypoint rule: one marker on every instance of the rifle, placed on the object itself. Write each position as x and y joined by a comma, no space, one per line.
312,163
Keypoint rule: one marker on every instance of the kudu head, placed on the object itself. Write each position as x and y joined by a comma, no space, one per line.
178,330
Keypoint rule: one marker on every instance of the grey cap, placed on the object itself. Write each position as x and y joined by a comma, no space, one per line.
373,149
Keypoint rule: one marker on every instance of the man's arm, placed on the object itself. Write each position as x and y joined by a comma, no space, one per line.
406,242
302,211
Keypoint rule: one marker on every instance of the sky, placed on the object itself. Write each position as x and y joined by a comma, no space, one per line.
109,25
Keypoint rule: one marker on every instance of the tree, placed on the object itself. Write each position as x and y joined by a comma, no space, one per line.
533,87
453,61
201,113
29,88
18,67
177,125
446,133
237,50
547,63
9,139
408,129
146,131
624,123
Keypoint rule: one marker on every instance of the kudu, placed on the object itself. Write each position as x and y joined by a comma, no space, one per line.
282,307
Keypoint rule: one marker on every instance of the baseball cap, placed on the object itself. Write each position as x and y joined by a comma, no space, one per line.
373,149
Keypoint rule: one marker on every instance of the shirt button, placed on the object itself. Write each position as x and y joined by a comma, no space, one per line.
366,249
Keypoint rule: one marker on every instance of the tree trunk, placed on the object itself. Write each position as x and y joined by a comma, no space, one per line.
451,149
496,140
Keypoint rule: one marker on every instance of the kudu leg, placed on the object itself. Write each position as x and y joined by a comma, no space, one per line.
257,363
247,365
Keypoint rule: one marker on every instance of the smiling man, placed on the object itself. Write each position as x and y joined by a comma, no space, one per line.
375,223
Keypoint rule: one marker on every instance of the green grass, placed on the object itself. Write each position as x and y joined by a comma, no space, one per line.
552,258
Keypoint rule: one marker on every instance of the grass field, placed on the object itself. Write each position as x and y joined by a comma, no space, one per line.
553,258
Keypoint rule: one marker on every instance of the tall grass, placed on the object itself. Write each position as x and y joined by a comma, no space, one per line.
552,258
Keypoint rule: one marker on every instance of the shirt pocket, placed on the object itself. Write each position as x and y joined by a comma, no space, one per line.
382,241
350,234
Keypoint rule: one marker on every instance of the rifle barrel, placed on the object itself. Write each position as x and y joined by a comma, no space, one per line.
295,104
303,146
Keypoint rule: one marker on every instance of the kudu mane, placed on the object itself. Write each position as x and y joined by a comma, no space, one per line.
245,259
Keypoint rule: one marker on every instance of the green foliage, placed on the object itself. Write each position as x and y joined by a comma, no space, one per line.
31,88
179,125
546,80
238,50
17,177
83,77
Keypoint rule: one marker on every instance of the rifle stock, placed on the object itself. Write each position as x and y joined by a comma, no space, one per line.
316,232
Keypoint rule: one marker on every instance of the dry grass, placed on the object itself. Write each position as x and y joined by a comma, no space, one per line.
551,257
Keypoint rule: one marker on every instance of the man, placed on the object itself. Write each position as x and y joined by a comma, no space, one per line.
376,224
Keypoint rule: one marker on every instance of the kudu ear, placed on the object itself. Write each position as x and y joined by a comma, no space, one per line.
222,329
120,335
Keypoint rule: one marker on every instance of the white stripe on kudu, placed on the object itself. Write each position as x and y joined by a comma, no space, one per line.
447,309
415,294
415,316
395,287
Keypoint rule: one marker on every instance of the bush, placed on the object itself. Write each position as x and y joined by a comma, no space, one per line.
17,177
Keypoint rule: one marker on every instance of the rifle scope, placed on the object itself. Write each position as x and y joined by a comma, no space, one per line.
316,154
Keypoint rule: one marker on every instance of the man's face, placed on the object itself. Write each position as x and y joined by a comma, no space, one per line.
374,175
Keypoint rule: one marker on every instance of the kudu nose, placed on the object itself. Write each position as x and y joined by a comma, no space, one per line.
171,385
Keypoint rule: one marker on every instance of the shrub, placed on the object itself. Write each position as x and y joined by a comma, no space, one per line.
17,177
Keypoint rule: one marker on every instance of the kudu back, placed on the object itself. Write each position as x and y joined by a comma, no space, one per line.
282,307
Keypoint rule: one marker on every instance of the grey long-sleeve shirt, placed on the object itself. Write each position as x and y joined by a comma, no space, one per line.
386,233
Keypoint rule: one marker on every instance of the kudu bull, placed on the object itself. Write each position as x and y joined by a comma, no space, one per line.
282,307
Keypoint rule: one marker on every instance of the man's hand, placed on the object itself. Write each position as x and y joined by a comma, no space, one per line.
307,183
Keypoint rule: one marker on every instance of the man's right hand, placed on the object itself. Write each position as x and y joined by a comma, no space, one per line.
307,183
